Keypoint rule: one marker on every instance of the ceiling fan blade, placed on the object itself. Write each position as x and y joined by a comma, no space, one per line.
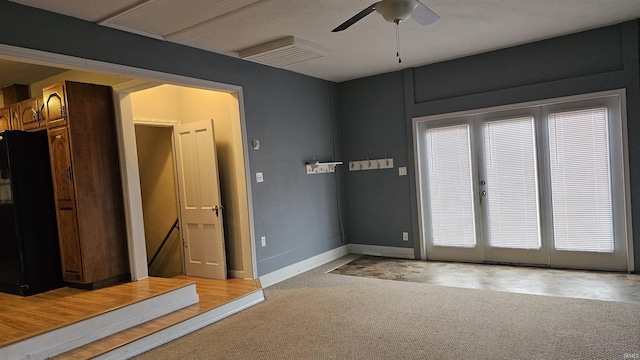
423,15
355,18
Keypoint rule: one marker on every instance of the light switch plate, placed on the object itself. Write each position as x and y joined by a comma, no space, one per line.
402,171
259,177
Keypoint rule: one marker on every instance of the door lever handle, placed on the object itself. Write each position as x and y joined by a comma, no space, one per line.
217,209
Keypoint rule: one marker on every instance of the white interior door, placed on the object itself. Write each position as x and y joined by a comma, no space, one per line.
200,205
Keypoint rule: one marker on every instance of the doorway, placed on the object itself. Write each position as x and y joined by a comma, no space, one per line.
155,110
539,184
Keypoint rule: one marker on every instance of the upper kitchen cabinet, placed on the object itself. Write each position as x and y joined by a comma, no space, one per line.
55,107
5,119
30,115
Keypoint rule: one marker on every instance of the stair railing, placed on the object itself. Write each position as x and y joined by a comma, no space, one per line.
173,227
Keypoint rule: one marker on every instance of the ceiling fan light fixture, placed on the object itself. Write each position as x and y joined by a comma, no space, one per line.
396,11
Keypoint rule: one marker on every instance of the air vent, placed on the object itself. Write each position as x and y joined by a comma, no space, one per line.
282,52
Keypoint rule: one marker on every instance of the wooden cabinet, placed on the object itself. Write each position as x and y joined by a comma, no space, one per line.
88,192
30,115
55,111
15,117
26,115
9,118
5,119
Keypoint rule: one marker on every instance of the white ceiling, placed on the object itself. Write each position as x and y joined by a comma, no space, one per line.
465,27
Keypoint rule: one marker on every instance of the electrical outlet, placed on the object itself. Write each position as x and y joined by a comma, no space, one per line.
402,171
259,177
263,241
405,236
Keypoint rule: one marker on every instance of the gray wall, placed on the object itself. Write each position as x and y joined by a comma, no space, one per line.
376,114
373,117
291,114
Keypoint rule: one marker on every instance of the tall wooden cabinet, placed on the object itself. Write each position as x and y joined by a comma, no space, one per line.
86,176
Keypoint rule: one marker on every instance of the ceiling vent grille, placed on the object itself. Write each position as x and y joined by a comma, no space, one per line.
282,52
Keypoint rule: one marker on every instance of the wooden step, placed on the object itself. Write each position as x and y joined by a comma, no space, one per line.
218,299
52,323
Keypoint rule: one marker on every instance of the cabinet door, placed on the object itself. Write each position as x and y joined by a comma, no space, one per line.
5,119
62,173
29,114
15,117
70,250
55,109
61,167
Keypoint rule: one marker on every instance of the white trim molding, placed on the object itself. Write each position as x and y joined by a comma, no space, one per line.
186,327
155,122
67,338
302,266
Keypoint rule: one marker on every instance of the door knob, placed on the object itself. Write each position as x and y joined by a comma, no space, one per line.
217,209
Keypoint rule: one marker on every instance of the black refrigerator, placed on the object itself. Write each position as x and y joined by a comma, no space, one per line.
29,250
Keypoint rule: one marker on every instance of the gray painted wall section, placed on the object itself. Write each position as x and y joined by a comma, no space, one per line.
376,110
290,113
373,116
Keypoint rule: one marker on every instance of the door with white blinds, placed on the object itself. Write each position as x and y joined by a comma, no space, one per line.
509,189
587,188
533,185
450,186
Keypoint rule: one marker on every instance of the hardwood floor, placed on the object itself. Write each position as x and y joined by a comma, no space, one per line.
25,317
212,293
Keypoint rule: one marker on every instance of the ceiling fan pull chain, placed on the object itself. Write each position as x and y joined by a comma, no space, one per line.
398,41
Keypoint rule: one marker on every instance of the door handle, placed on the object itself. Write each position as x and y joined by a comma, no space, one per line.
482,195
69,175
217,209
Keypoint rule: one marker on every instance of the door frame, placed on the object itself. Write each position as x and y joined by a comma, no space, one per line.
167,124
419,161
127,143
124,113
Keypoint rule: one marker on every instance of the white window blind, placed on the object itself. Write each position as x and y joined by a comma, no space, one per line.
512,185
450,186
580,180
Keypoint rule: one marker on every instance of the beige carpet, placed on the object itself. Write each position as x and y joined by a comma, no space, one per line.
326,316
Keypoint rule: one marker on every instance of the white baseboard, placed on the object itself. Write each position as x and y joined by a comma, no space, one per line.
302,266
188,326
58,341
386,251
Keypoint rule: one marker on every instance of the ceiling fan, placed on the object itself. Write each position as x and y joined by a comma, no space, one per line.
395,11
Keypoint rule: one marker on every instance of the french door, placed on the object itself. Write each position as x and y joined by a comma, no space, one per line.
537,185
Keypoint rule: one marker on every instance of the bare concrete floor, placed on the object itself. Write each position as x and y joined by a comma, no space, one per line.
596,285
